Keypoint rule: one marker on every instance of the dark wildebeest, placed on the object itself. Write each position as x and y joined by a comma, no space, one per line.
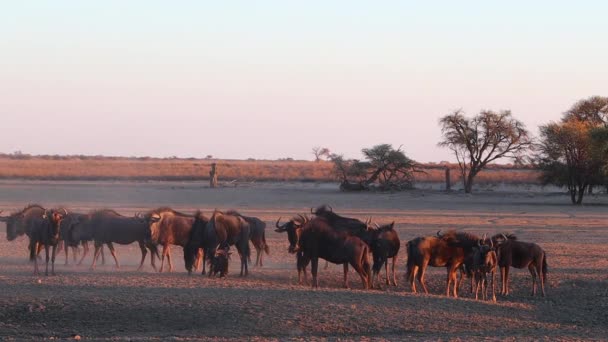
22,222
169,227
514,253
385,245
318,239
484,262
257,231
46,233
290,227
233,230
383,241
219,263
448,251
108,227
68,234
200,239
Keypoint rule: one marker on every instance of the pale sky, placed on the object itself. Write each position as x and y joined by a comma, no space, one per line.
272,79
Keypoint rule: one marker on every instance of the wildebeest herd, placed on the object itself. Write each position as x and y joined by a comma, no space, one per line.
206,242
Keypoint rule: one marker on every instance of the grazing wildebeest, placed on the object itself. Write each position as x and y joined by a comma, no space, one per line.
290,227
233,230
450,251
219,263
106,226
257,235
385,245
514,253
484,262
318,239
200,239
46,233
169,227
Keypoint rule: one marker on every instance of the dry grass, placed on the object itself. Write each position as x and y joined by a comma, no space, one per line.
110,168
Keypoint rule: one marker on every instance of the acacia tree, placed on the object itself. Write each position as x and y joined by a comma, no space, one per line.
480,140
572,153
385,166
319,152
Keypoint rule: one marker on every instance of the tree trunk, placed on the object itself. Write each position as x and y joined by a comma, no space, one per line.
581,193
448,185
213,176
468,185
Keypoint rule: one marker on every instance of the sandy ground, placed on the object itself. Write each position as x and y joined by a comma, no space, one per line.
269,304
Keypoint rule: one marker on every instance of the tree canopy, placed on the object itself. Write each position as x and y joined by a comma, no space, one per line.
482,139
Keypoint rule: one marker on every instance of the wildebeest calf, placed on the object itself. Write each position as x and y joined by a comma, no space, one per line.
219,263
484,262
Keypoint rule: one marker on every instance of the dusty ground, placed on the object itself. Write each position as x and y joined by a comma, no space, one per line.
125,304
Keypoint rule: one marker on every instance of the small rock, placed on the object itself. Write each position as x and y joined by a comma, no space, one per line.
77,337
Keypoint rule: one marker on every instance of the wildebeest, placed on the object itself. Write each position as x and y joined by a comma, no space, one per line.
169,227
68,225
318,239
383,241
514,253
107,227
22,222
257,235
200,239
290,228
233,230
219,263
484,262
450,251
46,233
385,245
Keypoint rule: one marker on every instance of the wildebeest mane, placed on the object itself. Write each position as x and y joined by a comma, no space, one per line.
460,239
97,212
168,209
28,207
338,221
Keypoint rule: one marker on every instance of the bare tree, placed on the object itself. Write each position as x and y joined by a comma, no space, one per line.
320,152
480,140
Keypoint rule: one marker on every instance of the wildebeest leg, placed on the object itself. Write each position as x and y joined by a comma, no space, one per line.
345,265
144,251
452,279
541,277
169,258
393,268
388,282
96,254
111,247
365,278
75,252
103,256
503,272
162,258
65,251
533,274
85,251
485,286
314,269
476,277
506,284
493,275
53,259
411,276
421,272
46,251
204,261
199,256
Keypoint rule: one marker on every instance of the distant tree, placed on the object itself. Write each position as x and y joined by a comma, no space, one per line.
320,152
388,168
483,139
574,152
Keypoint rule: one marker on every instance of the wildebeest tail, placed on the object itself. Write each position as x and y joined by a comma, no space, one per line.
544,267
410,260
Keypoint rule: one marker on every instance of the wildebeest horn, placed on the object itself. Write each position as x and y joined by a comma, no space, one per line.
330,208
439,233
491,244
65,211
504,237
277,224
312,210
302,218
479,242
45,215
377,225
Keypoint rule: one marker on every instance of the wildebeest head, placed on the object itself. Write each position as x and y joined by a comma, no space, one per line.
292,227
16,223
55,216
196,240
219,264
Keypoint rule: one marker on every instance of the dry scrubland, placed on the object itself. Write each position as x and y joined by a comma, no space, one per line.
125,304
108,168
